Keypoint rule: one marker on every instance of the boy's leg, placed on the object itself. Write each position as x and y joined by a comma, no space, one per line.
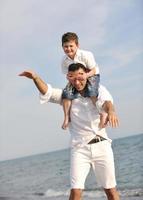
66,108
92,92
94,99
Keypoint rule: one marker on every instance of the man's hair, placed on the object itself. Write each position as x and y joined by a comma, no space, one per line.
76,66
69,36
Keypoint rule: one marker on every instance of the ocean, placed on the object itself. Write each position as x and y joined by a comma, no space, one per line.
46,176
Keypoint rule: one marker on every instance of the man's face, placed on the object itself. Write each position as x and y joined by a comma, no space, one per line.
70,48
78,79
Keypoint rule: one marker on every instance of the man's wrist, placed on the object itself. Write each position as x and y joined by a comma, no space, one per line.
35,77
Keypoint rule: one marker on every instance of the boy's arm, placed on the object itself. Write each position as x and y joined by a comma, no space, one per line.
91,64
91,72
40,84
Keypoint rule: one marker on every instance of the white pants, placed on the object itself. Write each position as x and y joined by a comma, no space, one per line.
100,157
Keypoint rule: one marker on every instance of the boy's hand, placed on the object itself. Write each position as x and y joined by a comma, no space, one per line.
81,76
69,76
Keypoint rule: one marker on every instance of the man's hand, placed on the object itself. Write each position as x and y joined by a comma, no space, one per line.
111,116
40,84
29,74
112,119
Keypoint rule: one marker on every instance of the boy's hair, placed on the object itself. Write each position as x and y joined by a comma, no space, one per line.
76,66
67,37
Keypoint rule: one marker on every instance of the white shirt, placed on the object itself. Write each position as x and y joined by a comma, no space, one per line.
84,115
84,57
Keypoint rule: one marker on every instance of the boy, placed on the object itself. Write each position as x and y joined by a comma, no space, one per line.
73,54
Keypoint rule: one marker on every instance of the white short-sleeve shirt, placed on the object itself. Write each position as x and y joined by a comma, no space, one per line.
84,57
84,115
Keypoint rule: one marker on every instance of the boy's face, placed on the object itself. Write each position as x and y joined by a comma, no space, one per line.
70,48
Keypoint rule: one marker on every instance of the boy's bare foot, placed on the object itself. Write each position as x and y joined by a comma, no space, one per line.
65,123
103,120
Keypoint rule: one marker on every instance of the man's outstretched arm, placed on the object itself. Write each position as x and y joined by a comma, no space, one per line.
40,84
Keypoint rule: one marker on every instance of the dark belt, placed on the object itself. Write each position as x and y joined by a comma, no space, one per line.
96,139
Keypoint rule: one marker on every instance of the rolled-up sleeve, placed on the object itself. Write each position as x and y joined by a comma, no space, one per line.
52,95
103,96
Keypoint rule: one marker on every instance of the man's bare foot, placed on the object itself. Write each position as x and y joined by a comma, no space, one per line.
103,120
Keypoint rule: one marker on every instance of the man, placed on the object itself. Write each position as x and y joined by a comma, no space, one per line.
90,145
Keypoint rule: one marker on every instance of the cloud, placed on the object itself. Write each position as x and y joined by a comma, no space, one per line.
122,57
26,25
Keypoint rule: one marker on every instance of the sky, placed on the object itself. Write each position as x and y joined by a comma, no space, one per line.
30,38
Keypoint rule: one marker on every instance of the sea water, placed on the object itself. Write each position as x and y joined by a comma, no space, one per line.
46,176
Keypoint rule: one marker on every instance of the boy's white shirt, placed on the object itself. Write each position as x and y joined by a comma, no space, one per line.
84,57
84,115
